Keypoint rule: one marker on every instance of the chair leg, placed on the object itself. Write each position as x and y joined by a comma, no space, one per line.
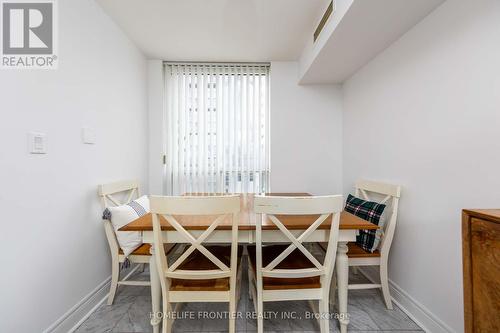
354,270
254,299
232,313
238,293
324,315
115,275
250,277
239,281
333,289
260,315
384,281
167,321
143,268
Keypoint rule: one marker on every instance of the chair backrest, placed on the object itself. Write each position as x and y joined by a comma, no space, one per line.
108,193
226,207
385,194
274,206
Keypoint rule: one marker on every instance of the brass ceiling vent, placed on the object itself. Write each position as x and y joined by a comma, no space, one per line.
326,16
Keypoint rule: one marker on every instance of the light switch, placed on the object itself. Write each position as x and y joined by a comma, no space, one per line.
37,143
88,135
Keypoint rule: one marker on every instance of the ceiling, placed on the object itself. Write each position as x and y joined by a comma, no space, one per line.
217,30
364,29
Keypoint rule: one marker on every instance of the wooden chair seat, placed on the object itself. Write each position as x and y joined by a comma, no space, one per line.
198,261
295,260
356,251
143,250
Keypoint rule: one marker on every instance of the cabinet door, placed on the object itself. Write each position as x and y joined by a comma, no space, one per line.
485,250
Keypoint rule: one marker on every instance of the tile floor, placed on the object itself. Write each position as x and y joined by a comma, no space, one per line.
130,313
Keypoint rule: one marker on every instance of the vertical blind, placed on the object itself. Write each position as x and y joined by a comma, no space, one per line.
217,128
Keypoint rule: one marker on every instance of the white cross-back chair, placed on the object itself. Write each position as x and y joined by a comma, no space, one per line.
292,272
201,273
116,194
387,194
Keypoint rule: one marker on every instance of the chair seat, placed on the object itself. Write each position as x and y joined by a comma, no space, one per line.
143,249
295,260
198,261
356,251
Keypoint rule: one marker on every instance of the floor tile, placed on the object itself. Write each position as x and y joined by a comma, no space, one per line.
185,324
391,331
371,302
359,319
137,318
131,309
105,318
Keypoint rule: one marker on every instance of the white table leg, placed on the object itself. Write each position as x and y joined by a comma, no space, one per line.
155,293
342,268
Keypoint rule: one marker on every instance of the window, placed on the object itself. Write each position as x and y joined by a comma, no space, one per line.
217,128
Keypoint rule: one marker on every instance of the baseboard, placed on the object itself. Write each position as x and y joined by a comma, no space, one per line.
75,316
424,318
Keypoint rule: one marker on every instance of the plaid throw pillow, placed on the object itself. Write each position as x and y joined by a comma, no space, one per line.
370,211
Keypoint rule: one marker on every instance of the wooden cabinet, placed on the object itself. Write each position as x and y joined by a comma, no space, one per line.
481,265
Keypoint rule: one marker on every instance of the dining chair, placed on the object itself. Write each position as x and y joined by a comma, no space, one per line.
389,195
201,273
290,271
117,194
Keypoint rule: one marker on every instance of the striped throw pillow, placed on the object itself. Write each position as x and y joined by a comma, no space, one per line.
124,214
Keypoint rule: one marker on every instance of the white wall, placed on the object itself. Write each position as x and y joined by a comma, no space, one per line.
425,114
306,134
52,236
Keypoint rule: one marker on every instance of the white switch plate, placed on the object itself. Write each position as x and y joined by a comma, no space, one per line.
88,135
37,143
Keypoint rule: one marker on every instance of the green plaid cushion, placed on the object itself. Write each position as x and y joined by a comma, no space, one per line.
370,211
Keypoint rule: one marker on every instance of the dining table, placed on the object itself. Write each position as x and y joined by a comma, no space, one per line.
349,227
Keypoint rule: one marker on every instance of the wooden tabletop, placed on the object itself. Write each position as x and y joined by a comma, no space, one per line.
248,220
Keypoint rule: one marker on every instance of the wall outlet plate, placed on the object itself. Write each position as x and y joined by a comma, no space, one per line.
88,135
37,143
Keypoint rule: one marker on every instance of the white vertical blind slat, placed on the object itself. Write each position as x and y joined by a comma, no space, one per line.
259,123
267,148
172,128
231,113
241,129
191,176
212,131
246,156
222,124
218,128
234,143
200,110
181,144
252,135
